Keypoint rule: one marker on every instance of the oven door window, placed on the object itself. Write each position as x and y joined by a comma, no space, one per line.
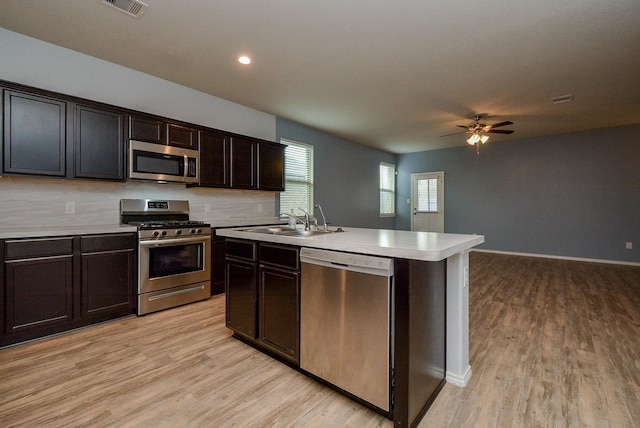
175,260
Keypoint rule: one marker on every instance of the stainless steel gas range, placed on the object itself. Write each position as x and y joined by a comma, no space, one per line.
174,253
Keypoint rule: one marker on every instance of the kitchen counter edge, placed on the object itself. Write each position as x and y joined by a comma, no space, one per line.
425,246
51,231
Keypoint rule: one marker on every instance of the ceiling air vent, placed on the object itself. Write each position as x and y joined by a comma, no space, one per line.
132,7
562,99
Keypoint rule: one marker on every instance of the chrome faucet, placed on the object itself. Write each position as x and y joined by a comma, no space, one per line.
295,218
308,218
324,220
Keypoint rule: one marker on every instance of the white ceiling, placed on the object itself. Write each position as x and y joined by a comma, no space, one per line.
394,75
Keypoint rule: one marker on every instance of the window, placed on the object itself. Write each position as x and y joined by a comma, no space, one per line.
428,195
298,176
387,190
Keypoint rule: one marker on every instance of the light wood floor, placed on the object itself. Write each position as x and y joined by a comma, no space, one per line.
553,344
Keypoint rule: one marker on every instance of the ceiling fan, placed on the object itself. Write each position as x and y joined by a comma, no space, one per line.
478,130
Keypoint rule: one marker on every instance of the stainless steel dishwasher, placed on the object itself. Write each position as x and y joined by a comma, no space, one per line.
346,319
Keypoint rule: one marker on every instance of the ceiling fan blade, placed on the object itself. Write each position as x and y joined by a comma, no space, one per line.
455,133
462,126
499,131
505,123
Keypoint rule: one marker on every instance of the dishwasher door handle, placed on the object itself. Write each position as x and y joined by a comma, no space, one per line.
342,265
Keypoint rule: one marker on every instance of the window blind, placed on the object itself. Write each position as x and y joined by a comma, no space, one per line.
428,195
298,172
387,189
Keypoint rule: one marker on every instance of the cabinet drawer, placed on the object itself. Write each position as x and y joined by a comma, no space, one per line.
30,248
95,243
241,249
279,255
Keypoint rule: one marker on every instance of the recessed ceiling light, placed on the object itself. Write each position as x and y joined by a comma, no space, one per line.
244,60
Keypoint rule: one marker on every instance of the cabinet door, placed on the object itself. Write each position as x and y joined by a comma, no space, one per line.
107,283
107,275
279,310
39,295
35,133
271,166
243,152
241,297
182,136
99,143
147,129
214,159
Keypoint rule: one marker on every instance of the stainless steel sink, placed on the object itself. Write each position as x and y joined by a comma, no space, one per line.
283,231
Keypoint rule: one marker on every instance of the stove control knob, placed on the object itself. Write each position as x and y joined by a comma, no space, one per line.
178,232
155,233
192,231
199,230
164,233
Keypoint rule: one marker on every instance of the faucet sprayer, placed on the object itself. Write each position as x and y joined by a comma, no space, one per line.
324,220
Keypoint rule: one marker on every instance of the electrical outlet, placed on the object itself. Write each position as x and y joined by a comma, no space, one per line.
69,207
207,208
260,208
629,246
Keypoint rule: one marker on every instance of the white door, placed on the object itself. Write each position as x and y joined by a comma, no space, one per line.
427,202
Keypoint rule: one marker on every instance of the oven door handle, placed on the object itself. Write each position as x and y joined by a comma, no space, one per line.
166,242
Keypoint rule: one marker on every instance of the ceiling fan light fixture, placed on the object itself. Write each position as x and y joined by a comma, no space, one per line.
474,138
484,139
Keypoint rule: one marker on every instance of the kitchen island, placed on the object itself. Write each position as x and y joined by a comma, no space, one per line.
424,263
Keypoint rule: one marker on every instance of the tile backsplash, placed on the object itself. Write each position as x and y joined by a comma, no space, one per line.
34,202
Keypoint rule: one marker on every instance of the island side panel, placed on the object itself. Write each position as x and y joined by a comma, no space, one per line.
420,334
458,368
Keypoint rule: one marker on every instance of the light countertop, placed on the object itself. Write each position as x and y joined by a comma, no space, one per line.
45,231
426,246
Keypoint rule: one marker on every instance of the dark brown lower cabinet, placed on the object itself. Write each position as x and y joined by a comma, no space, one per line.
241,281
262,293
279,310
241,297
49,285
39,293
107,275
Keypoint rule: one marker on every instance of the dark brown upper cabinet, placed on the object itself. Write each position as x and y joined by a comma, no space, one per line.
182,136
49,136
152,130
214,159
240,163
35,134
147,129
98,143
270,166
243,163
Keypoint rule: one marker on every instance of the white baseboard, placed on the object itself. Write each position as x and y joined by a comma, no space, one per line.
550,256
458,380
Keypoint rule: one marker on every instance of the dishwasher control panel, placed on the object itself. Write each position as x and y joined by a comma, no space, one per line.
370,264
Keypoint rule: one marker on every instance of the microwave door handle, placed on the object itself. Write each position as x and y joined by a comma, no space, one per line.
185,171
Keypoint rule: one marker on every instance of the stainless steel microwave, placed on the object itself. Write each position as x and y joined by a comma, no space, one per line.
162,163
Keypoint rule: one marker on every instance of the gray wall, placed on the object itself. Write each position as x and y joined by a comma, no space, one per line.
346,176
572,195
